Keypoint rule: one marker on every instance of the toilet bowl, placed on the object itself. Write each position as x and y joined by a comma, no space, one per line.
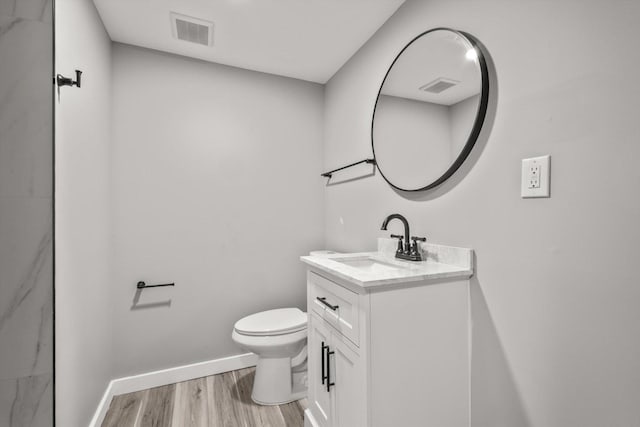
278,337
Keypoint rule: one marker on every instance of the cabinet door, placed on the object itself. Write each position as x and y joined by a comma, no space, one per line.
319,336
350,390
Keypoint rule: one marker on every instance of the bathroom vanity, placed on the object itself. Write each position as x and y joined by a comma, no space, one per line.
389,340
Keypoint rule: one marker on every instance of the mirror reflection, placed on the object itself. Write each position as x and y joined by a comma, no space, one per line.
427,109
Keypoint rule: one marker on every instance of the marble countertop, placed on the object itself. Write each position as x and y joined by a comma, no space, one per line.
441,262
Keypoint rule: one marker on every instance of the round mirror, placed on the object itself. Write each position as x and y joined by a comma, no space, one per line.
430,109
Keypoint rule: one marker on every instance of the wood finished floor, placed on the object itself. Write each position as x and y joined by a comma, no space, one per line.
222,400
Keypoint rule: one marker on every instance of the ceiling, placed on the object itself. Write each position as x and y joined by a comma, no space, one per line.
303,39
436,55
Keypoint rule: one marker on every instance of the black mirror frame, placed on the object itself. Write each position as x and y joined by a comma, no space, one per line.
477,125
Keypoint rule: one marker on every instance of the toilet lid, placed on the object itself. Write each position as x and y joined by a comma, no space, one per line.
272,322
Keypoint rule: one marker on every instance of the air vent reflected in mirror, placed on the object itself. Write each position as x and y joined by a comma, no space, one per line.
439,85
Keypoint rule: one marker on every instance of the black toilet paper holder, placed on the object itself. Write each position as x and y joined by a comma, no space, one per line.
143,285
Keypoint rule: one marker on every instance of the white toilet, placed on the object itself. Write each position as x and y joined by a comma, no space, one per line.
279,338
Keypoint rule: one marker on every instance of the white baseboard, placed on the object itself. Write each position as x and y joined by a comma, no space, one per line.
169,376
103,406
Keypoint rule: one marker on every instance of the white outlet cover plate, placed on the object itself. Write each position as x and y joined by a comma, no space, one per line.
544,164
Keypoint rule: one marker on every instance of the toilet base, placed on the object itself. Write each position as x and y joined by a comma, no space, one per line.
276,384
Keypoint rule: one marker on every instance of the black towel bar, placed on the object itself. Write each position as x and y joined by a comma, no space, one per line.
369,161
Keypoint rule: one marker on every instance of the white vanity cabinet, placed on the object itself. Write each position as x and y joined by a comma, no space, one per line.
335,364
387,348
336,389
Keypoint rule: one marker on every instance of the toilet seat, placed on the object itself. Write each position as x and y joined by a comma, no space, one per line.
272,322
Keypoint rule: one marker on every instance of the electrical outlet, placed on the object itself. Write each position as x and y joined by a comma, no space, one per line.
536,174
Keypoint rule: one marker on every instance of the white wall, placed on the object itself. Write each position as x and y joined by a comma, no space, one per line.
216,187
555,295
83,282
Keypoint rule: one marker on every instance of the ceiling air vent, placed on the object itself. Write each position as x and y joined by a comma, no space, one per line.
191,29
439,85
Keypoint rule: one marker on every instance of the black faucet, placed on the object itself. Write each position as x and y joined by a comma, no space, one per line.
406,229
405,250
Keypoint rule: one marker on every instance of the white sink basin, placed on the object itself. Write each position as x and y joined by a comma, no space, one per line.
368,264
362,270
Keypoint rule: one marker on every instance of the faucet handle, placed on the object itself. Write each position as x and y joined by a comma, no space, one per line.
400,244
414,246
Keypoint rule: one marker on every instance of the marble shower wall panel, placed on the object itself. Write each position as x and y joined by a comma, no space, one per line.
25,287
26,226
25,108
26,402
34,10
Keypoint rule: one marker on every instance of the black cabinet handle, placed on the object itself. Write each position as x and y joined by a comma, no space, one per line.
323,362
329,383
323,300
